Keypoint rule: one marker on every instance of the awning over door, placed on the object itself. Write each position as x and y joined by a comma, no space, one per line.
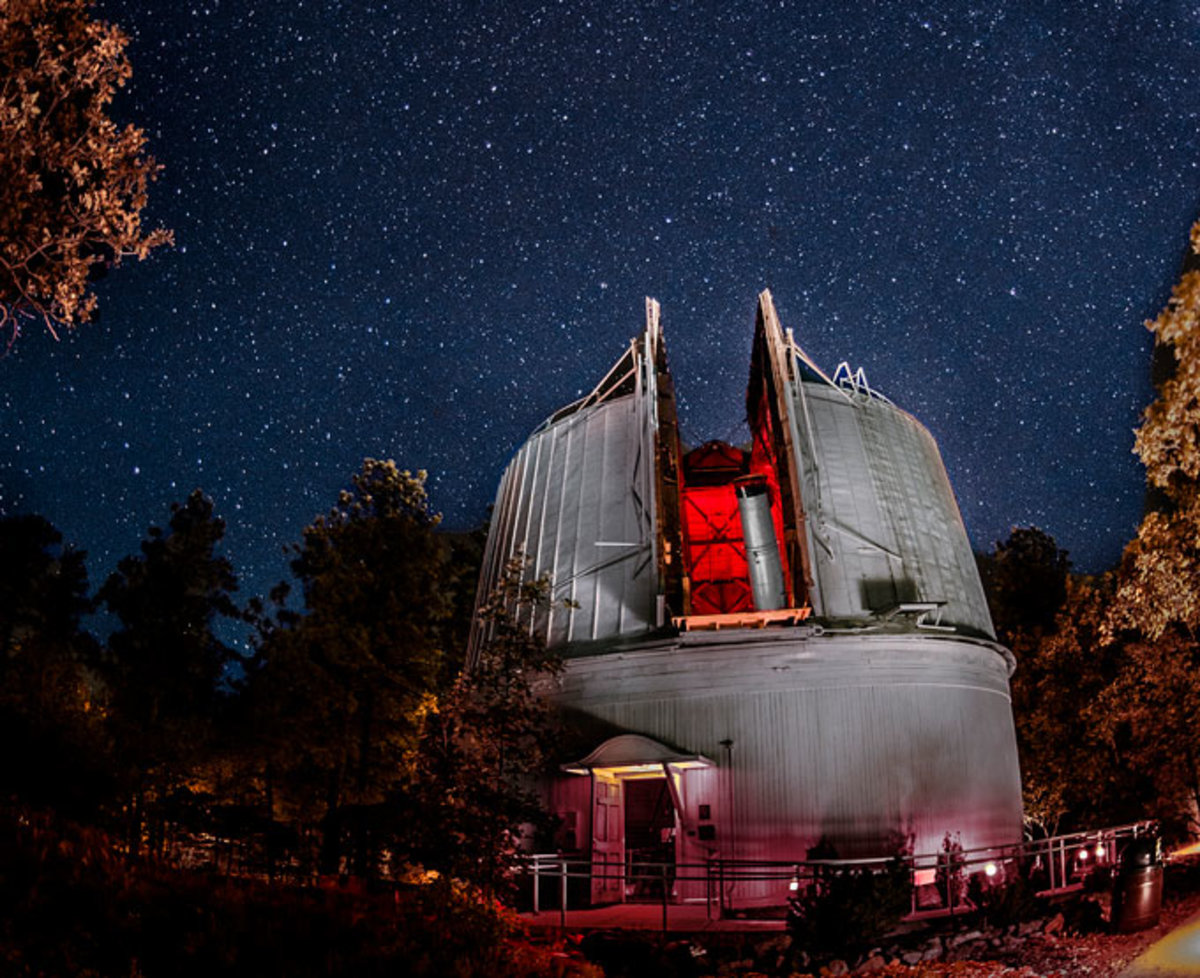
630,755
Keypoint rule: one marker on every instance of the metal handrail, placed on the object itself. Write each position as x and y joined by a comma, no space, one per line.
1062,862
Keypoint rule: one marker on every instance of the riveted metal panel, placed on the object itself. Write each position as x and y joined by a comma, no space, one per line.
568,502
885,525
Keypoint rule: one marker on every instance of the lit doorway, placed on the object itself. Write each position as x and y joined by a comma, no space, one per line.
632,805
651,825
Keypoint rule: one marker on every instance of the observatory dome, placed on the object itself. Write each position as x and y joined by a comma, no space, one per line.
773,650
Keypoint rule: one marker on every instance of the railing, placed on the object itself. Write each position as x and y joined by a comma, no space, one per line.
1056,865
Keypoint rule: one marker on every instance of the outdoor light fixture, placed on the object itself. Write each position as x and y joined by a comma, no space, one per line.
794,885
1083,855
1100,850
990,869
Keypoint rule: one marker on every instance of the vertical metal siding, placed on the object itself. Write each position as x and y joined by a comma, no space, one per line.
866,742
887,527
574,498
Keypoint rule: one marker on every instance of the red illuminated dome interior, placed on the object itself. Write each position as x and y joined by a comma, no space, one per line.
714,548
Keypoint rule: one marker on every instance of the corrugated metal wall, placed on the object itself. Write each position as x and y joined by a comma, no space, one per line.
884,524
855,739
578,501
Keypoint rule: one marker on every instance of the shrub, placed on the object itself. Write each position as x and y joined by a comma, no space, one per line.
74,908
1007,903
851,907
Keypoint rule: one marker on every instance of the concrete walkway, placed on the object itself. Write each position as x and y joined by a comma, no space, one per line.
690,918
1176,954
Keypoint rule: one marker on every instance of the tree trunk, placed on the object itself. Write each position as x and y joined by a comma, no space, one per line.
362,845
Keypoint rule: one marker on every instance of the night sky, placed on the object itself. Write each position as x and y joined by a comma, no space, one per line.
413,230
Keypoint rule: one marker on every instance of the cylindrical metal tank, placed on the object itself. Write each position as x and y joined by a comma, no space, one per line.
1138,887
762,550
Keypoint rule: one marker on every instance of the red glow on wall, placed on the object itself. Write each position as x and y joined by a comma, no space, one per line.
712,531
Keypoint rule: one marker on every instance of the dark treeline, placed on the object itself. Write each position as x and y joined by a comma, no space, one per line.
346,743
1106,695
1105,711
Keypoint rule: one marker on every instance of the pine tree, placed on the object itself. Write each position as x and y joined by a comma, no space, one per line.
341,689
487,743
1026,585
166,661
48,687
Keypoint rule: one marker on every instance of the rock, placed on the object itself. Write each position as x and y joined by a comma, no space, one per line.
913,957
875,962
1055,926
1030,927
964,952
964,938
835,967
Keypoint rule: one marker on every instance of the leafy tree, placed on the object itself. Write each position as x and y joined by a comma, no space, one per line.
488,742
1050,622
340,691
48,694
1150,712
166,662
72,183
1160,573
1076,767
1156,612
43,594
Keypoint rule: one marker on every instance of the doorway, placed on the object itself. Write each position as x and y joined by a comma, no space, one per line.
650,839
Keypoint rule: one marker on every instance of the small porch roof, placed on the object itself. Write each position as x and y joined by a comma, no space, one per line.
633,754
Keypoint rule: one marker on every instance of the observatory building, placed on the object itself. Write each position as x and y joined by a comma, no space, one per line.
773,651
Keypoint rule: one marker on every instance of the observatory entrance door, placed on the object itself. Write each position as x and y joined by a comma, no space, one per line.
608,839
636,809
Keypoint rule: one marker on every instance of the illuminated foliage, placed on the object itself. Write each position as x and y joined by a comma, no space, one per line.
1150,713
1156,615
1168,442
1076,767
488,742
72,183
1105,702
1160,574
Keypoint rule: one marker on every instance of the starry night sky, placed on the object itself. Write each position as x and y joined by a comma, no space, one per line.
413,230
